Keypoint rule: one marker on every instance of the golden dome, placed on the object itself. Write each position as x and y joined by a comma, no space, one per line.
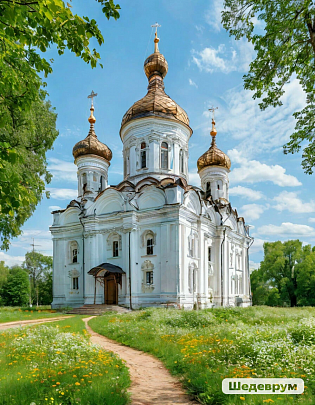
214,156
91,145
156,102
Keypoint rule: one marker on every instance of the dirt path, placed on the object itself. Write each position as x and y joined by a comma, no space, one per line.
151,383
17,324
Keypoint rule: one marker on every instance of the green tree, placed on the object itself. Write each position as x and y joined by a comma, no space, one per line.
4,272
44,285
306,280
38,267
15,292
29,133
278,266
285,49
27,28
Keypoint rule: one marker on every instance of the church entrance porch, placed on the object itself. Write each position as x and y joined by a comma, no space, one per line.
109,276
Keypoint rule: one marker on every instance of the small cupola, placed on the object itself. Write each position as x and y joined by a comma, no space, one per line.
93,159
213,168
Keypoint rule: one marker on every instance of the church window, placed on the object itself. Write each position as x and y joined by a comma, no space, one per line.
148,241
73,252
94,177
74,255
115,248
150,246
209,254
181,161
164,155
101,183
84,182
149,277
143,155
75,283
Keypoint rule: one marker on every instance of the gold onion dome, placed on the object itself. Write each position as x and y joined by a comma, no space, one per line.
156,102
214,156
91,145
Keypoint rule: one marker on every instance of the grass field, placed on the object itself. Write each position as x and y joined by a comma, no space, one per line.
203,347
56,364
11,314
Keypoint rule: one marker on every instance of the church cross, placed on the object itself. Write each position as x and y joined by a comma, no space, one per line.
213,110
156,25
91,96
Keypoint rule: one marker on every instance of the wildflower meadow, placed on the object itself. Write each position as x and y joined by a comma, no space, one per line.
56,364
203,347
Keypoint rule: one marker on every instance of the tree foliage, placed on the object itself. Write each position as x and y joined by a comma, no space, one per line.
286,275
27,121
39,267
15,292
285,50
26,136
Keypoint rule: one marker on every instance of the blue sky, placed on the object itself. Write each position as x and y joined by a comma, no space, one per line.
206,67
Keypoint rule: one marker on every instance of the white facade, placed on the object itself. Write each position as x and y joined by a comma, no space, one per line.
174,243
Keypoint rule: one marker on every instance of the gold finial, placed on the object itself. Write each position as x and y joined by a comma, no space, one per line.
91,118
156,39
213,132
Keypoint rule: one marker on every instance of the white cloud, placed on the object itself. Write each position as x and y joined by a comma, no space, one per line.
11,260
223,59
257,246
63,193
194,178
62,170
251,212
245,192
287,229
192,83
253,265
289,201
253,171
240,118
311,220
213,15
42,240
54,208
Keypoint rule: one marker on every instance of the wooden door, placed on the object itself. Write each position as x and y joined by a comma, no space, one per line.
110,292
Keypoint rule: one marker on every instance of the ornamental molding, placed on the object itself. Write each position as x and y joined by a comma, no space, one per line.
74,273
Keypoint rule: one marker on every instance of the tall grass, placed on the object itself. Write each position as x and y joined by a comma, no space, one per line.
11,314
203,347
57,364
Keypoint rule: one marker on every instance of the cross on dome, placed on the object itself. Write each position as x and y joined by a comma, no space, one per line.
213,132
213,110
91,96
156,39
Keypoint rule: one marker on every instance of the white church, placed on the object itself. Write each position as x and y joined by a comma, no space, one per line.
153,239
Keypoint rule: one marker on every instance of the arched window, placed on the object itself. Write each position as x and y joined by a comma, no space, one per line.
148,241
114,243
84,182
101,184
115,248
181,161
143,155
73,252
150,246
164,155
